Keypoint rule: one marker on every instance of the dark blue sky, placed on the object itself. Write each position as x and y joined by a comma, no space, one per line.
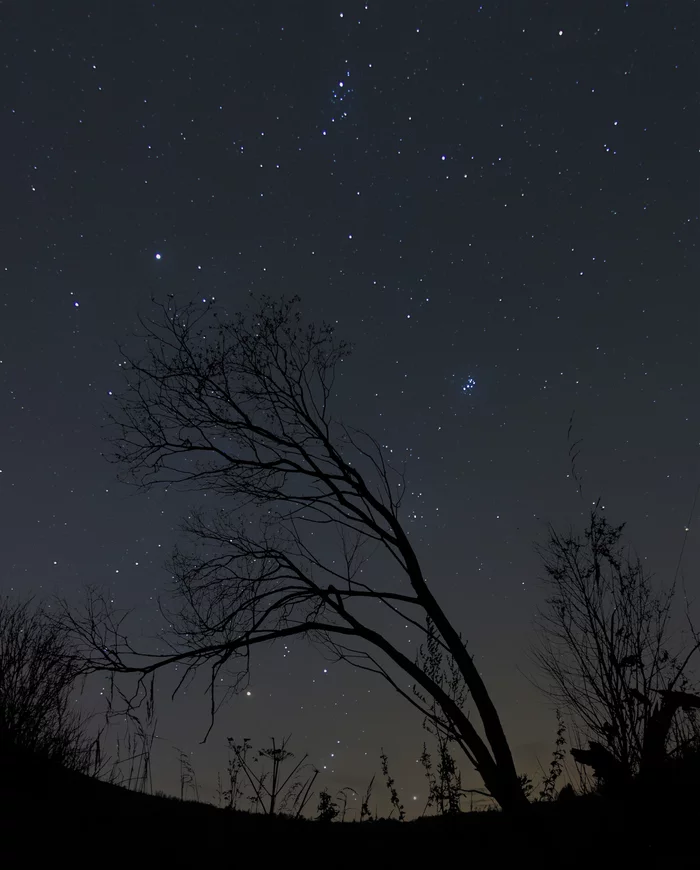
496,202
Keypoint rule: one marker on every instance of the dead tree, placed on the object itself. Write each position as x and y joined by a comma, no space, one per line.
240,408
609,656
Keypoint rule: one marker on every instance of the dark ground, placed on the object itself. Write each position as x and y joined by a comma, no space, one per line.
52,814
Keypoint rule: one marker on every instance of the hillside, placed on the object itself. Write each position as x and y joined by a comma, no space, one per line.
44,806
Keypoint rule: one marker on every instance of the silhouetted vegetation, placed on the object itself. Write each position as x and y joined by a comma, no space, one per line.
365,812
188,777
38,672
611,659
556,765
276,790
176,830
241,407
327,809
260,778
445,790
396,805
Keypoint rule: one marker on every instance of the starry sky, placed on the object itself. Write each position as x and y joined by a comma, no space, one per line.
497,202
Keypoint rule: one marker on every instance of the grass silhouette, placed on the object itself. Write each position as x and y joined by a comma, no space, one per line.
154,830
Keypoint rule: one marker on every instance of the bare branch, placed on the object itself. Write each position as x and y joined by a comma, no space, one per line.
606,650
298,503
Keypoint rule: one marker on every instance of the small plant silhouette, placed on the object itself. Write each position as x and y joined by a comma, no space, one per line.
445,784
365,812
393,794
445,781
272,791
188,778
556,765
327,809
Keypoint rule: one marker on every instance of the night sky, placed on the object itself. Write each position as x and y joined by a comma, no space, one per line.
497,203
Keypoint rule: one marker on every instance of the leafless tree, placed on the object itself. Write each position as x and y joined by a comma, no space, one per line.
38,671
239,408
609,655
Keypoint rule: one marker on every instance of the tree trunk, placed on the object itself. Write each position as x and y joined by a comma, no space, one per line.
503,781
509,793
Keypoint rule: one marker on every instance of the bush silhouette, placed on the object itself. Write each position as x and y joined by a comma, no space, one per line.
38,670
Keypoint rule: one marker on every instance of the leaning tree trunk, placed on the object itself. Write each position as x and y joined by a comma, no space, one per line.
499,773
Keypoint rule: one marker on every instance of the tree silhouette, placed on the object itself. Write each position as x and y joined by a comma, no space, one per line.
38,670
610,657
239,408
